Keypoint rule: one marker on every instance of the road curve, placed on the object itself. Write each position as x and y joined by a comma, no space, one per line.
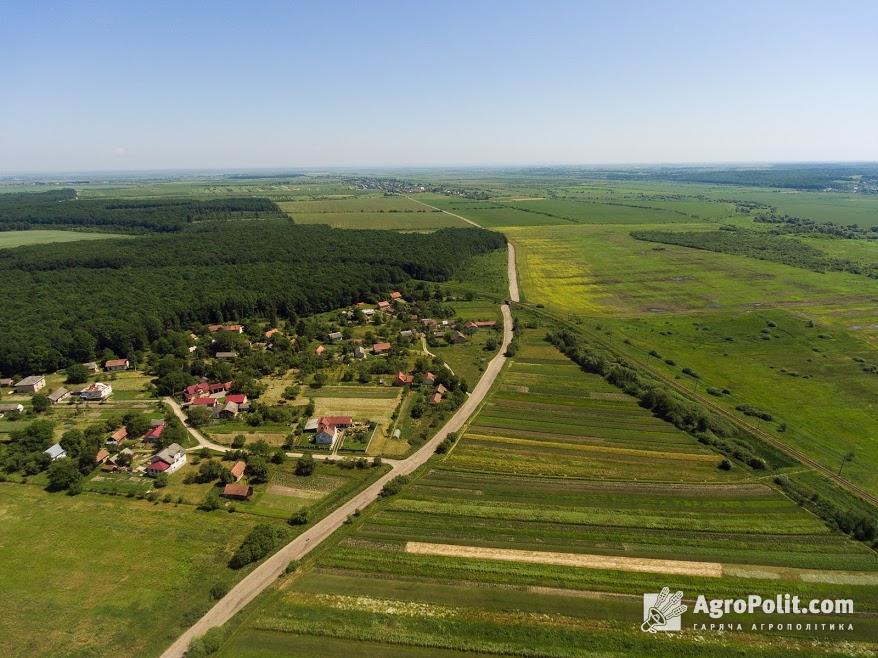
270,570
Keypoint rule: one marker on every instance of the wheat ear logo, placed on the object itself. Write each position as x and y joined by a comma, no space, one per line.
661,612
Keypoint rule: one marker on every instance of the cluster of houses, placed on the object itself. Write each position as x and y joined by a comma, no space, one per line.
428,378
216,397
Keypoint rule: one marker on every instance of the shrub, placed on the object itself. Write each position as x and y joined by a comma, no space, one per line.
161,481
256,545
218,591
725,465
305,465
239,442
299,518
394,486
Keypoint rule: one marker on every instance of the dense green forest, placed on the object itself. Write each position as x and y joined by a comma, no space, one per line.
761,245
62,209
72,302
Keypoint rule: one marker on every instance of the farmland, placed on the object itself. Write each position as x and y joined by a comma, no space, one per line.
20,238
619,486
387,212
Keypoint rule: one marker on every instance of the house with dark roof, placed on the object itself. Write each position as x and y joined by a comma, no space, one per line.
58,395
30,384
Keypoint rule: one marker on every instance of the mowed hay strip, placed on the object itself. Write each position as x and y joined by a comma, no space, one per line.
585,561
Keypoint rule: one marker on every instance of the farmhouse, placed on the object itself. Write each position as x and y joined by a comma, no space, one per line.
436,398
92,367
238,398
167,461
335,336
55,452
58,395
407,333
5,382
118,436
319,350
210,403
327,433
116,365
338,421
402,379
429,323
458,338
102,456
237,491
380,348
271,332
428,378
395,295
229,410
384,306
368,313
441,390
227,356
30,384
11,408
155,433
96,391
204,388
237,470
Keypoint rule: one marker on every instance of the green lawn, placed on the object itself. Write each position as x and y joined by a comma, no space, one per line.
41,236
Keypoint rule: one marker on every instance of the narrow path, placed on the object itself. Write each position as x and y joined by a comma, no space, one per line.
270,570
512,272
429,353
468,221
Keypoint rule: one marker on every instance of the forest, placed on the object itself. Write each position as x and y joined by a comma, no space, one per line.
761,245
68,303
62,209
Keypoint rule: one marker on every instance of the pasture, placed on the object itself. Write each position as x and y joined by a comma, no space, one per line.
559,469
9,239
126,576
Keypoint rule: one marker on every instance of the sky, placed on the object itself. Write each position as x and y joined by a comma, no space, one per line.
99,86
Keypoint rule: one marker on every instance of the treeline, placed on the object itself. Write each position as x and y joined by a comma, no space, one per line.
760,245
62,209
788,224
666,404
68,303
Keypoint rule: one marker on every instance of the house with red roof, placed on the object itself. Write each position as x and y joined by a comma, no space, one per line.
116,365
169,460
237,398
155,433
209,403
403,379
118,436
271,332
436,398
384,306
428,378
380,348
320,349
327,434
238,469
395,295
237,491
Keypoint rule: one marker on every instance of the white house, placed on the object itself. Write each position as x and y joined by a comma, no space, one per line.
169,460
96,391
55,452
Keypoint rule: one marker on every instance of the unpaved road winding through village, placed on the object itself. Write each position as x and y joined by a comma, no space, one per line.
270,570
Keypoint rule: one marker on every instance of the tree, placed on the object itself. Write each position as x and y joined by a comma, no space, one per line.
257,469
136,423
199,416
278,456
848,457
305,465
77,374
239,441
209,470
211,501
161,481
299,518
63,473
256,545
40,402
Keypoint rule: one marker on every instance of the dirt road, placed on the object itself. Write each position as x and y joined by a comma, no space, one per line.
269,571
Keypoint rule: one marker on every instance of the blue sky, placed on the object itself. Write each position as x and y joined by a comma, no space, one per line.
142,85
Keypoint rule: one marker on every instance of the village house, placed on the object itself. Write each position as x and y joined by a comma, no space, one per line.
204,389
30,384
319,350
102,456
335,336
441,390
407,333
55,452
402,379
359,352
384,306
116,365
428,378
457,338
436,398
237,470
155,433
271,332
326,435
237,491
97,391
238,398
368,313
395,295
11,408
380,348
169,460
207,402
92,367
117,437
234,328
429,323
227,356
6,382
229,411
58,395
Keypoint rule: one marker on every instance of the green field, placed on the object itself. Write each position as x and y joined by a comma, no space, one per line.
125,577
557,462
10,239
387,212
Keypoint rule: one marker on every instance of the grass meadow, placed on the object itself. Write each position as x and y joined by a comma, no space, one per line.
9,239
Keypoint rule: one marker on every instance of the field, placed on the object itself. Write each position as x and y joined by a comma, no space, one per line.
387,212
465,561
125,576
10,239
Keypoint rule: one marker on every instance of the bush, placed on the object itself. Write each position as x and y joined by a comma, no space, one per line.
305,465
299,518
256,545
161,481
218,591
394,486
206,645
239,442
725,465
212,501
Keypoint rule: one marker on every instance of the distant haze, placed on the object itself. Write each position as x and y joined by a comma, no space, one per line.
155,85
